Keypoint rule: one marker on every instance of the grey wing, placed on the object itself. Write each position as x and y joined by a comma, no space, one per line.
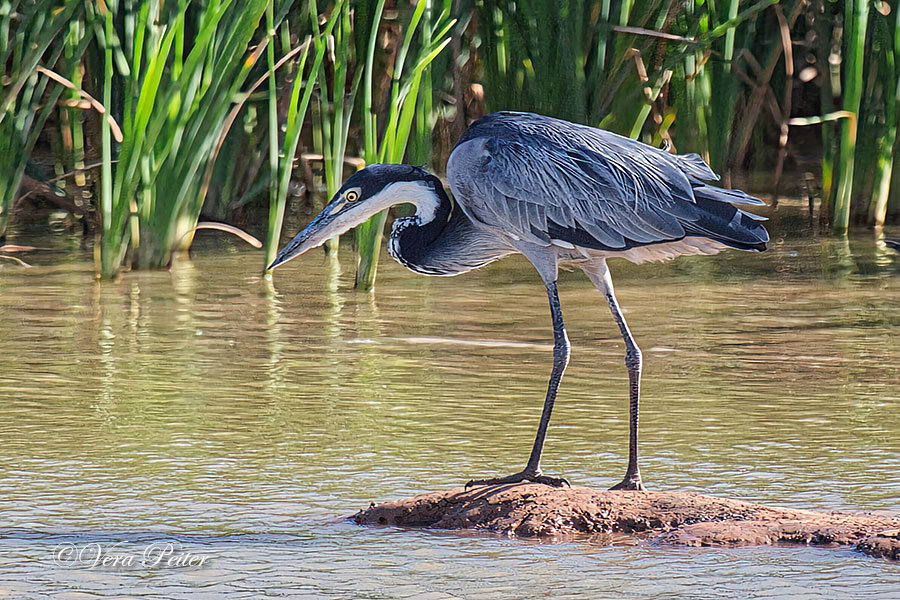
610,193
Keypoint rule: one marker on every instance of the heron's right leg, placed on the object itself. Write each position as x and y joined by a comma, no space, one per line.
532,471
599,275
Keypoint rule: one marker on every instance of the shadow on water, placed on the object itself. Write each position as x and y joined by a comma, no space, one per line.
208,406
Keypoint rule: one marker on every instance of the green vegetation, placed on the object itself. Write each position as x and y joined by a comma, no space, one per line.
154,112
405,88
335,105
178,83
282,156
31,37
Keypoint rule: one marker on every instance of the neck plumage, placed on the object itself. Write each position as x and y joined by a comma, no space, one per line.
440,239
412,237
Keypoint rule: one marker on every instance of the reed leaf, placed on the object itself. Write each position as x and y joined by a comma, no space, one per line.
184,81
296,115
405,88
856,15
889,80
31,36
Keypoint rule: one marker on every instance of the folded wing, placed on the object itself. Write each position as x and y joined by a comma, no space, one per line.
548,181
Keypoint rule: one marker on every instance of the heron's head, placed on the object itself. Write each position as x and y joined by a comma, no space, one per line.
364,194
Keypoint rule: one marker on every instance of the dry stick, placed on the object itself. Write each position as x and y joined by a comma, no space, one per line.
774,108
786,104
744,77
653,33
703,60
39,187
222,227
18,260
832,116
17,248
758,95
66,175
752,62
230,229
114,127
645,79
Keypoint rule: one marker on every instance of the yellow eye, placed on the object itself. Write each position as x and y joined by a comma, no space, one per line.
352,196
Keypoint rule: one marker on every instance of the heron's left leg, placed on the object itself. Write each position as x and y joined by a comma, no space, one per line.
532,471
601,279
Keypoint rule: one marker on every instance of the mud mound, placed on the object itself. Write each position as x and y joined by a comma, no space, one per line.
662,517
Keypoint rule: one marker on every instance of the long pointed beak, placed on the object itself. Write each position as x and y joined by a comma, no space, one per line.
311,236
335,219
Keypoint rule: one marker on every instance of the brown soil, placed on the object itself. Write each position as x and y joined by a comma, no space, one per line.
663,517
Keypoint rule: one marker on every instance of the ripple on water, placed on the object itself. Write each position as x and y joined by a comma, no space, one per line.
193,407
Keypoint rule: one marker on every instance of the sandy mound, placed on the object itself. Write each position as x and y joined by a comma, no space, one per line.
663,517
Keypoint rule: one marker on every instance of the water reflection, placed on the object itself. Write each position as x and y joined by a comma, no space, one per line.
245,418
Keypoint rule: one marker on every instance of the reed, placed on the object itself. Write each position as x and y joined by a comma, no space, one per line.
638,67
108,251
708,77
297,109
179,84
405,88
70,150
335,102
30,38
856,15
889,80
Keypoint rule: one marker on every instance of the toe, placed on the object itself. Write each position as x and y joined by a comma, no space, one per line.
629,484
552,481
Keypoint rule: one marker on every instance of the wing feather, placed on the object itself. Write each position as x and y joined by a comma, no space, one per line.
538,179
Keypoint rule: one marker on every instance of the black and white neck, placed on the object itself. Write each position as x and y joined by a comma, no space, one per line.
412,237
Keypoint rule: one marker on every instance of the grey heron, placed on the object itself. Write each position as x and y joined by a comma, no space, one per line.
557,193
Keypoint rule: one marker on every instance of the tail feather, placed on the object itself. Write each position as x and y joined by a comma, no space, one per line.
718,219
730,196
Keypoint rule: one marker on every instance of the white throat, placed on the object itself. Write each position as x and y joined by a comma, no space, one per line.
419,193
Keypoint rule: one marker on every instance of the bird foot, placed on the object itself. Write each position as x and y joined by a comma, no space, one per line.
532,476
631,482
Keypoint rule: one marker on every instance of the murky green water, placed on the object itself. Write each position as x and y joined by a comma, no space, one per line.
193,407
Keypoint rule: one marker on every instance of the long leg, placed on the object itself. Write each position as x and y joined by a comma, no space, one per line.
599,275
561,348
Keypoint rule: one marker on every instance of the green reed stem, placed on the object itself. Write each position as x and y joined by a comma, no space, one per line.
856,14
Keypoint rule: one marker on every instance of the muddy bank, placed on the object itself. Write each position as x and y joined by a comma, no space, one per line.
660,517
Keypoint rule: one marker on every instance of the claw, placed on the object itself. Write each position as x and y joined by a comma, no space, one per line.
631,482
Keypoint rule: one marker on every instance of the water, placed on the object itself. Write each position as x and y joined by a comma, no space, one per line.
195,408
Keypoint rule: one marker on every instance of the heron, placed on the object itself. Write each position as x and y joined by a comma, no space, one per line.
558,193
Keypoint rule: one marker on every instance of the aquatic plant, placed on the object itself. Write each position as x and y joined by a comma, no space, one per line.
178,83
170,80
335,101
405,88
282,155
889,84
856,13
30,40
